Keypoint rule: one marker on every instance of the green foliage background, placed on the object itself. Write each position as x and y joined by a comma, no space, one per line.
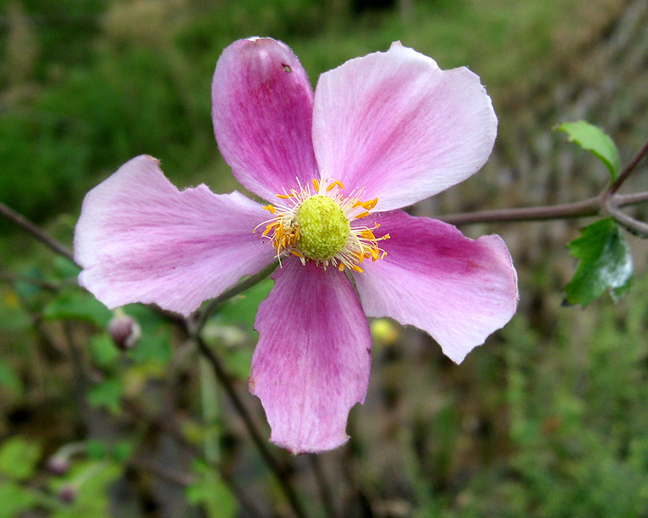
549,419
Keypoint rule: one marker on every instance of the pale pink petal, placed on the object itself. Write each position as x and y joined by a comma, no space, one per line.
139,239
457,289
312,362
397,124
263,110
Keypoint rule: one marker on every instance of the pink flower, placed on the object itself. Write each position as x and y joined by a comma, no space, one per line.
336,166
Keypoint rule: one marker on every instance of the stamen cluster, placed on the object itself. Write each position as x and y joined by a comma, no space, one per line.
319,223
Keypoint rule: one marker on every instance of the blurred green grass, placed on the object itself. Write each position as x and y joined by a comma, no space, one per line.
86,85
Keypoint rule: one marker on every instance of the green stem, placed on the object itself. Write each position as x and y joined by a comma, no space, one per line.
209,396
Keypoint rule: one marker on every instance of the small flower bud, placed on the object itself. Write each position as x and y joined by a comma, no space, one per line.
124,330
68,493
58,465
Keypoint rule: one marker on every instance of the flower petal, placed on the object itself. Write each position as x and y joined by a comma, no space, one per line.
263,112
399,125
139,239
457,289
312,362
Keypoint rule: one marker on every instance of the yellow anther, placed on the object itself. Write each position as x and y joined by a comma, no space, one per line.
336,182
316,184
341,267
362,215
270,208
295,252
366,204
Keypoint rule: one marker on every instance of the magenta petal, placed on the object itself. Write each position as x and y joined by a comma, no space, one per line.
399,125
263,112
139,239
457,289
312,362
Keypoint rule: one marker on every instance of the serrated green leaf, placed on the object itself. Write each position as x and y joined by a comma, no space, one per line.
18,458
210,491
596,141
77,305
107,394
605,263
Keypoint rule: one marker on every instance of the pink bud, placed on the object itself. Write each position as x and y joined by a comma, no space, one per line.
58,465
124,331
68,493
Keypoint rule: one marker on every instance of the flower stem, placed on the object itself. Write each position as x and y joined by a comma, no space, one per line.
629,169
259,442
589,207
209,397
323,485
35,231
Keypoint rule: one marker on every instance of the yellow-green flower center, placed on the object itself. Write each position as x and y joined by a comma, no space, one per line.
323,228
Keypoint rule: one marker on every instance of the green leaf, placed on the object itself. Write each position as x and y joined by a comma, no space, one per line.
237,361
210,491
92,480
593,139
9,380
18,458
15,499
104,351
605,263
152,347
65,269
77,305
96,449
107,394
122,451
242,309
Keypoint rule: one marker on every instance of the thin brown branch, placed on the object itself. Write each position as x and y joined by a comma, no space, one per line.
175,477
589,207
627,171
631,224
259,442
35,231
